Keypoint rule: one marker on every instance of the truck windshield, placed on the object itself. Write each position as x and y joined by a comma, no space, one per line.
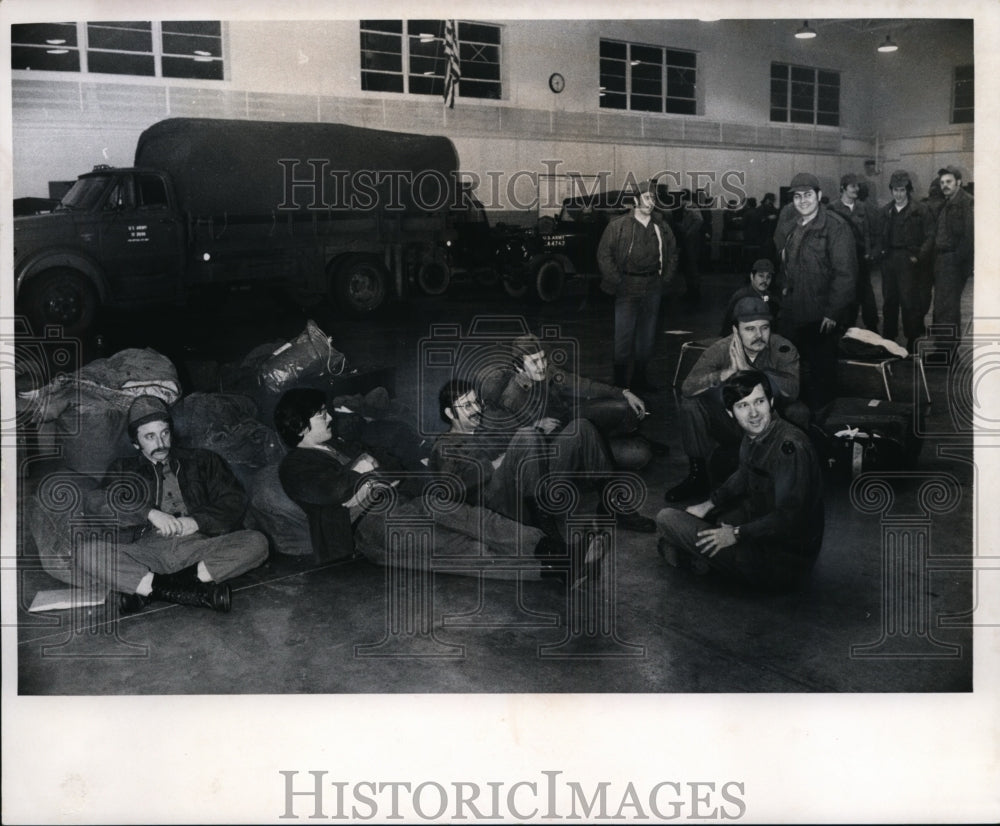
84,194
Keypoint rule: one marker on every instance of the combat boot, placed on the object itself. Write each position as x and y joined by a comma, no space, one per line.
695,485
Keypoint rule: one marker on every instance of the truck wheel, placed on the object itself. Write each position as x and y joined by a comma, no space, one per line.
63,297
360,285
550,278
515,287
433,277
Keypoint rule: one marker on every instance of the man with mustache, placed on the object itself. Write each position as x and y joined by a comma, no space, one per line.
501,474
953,251
704,422
764,525
178,527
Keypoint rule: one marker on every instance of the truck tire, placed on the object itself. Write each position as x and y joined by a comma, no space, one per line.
433,277
549,280
360,285
60,296
515,287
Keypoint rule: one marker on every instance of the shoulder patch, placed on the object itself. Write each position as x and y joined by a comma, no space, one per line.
784,348
788,447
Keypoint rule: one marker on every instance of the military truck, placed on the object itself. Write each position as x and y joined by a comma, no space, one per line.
351,214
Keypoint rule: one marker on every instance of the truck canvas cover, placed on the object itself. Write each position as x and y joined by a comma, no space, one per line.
233,167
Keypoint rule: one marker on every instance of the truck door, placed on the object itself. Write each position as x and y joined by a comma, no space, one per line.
141,240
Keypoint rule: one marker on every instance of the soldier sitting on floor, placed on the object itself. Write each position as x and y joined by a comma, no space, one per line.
764,524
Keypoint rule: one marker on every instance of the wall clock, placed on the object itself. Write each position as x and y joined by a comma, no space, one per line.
557,82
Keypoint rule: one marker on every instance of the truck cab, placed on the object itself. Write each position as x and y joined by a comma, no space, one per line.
115,238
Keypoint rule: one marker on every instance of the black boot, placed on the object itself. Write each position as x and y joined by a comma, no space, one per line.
183,588
630,521
695,485
131,603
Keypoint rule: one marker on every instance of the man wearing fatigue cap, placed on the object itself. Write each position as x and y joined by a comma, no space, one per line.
182,538
818,276
761,286
637,256
705,424
906,245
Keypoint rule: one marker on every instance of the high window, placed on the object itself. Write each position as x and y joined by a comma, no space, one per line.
408,56
648,78
963,102
803,95
181,49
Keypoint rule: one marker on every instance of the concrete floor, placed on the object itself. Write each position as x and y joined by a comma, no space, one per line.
295,628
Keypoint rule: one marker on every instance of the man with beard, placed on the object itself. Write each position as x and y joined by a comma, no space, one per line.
704,422
182,539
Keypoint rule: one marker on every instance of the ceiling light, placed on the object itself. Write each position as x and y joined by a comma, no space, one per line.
201,53
805,33
55,41
426,38
56,51
888,46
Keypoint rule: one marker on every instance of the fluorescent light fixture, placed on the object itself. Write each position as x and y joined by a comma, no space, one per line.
426,38
634,62
888,45
56,51
56,41
202,53
805,33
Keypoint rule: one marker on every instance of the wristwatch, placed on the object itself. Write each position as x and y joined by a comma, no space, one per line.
736,532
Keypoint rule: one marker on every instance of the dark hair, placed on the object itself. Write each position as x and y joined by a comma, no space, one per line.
769,196
293,412
449,394
741,384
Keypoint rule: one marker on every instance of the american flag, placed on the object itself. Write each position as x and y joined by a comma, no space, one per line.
453,71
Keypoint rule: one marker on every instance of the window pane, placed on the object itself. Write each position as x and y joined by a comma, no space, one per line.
478,71
643,103
613,101
680,83
828,119
478,33
961,72
647,87
44,34
780,115
395,26
647,54
420,85
963,116
381,61
378,82
800,116
803,75
611,48
129,37
381,42
118,63
208,28
779,70
686,59
416,28
828,78
613,83
191,44
189,67
40,60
